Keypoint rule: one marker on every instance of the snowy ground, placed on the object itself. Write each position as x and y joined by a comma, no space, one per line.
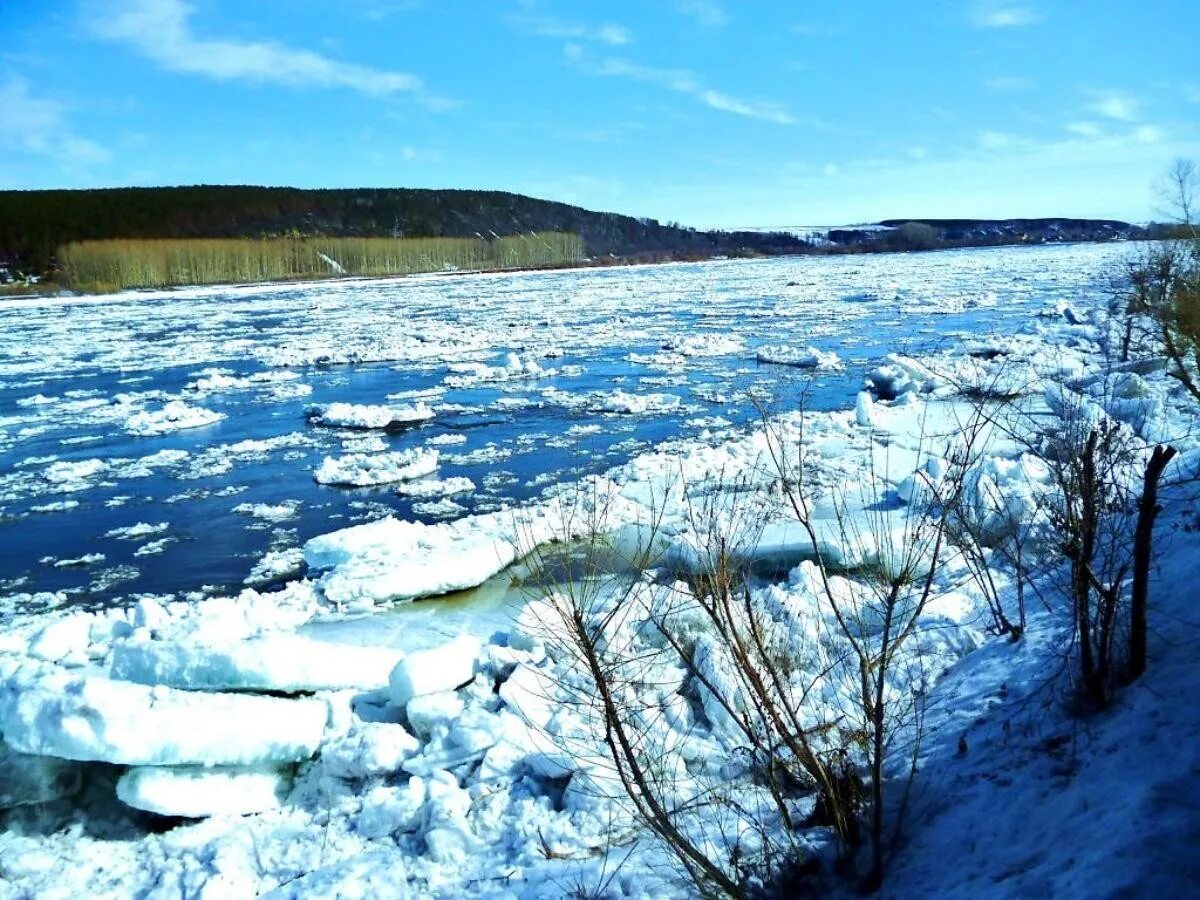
310,741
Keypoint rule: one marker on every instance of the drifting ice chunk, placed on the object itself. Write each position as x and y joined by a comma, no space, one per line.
436,669
469,374
93,718
903,375
808,358
434,487
365,469
353,415
174,416
276,662
396,560
195,792
635,404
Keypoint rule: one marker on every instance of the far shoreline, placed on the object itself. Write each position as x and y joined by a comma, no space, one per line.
66,295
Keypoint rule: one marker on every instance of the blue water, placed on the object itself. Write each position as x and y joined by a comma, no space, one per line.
860,307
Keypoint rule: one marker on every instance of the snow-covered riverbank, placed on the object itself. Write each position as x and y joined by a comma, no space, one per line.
321,763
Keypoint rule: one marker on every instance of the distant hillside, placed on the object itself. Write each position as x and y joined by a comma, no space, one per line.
985,232
34,224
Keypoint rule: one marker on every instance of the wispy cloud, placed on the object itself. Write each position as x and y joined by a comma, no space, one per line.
1085,128
544,26
161,30
1000,14
1148,134
997,140
1008,83
38,125
708,13
810,30
681,81
1116,105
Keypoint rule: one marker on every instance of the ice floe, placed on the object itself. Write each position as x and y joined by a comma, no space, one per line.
367,469
354,415
175,415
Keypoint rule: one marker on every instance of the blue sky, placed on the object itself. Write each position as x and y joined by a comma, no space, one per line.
708,112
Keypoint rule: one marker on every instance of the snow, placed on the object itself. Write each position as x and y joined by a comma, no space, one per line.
367,469
435,669
808,358
198,791
635,404
88,717
435,487
138,530
370,469
173,416
514,368
270,512
284,663
392,559
353,415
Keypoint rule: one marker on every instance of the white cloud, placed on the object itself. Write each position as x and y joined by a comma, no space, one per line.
998,14
543,26
1008,83
768,112
916,152
409,153
996,140
160,30
706,12
1115,105
1084,128
681,81
1148,134
37,125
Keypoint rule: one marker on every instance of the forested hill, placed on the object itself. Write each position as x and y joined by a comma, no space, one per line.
33,224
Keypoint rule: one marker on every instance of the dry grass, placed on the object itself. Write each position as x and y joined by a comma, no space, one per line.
114,265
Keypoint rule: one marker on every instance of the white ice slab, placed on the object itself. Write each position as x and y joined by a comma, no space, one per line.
54,713
368,469
195,792
436,669
275,662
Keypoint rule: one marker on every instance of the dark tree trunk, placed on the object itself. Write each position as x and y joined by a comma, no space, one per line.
1148,510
